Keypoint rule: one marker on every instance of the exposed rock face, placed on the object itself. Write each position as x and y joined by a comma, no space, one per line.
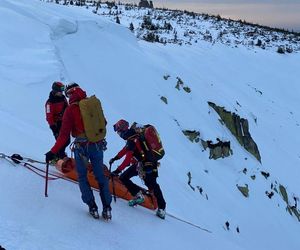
192,135
217,150
291,209
164,99
239,127
244,190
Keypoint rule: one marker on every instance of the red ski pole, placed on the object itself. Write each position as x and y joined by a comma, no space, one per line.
46,182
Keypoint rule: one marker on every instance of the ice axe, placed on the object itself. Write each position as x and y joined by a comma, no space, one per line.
46,182
16,158
113,183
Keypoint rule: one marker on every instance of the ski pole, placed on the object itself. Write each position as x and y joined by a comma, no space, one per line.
46,182
113,184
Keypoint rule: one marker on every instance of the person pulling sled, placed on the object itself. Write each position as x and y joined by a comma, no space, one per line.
142,160
85,120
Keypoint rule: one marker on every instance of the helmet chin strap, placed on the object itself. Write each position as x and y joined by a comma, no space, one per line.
122,135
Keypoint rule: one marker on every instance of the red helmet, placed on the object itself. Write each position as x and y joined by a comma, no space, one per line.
70,88
75,94
58,87
121,126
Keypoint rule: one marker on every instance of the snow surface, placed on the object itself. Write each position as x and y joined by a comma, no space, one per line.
41,43
191,27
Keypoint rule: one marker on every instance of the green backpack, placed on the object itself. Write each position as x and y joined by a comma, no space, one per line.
93,118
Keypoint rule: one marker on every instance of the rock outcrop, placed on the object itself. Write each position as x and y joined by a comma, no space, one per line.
239,127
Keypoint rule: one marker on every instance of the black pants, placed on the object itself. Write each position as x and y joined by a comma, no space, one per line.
150,182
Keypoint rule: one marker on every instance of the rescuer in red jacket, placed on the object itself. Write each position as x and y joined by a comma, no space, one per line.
55,108
84,151
140,163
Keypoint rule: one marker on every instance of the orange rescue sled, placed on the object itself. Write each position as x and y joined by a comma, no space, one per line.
67,168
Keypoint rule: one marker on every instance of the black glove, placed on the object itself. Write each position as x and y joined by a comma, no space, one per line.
55,130
112,160
49,156
115,173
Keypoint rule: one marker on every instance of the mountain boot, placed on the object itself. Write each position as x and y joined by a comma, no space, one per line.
93,210
138,199
106,213
161,213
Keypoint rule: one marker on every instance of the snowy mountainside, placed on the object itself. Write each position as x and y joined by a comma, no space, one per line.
187,28
51,42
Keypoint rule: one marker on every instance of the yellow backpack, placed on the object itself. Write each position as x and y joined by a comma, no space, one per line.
93,118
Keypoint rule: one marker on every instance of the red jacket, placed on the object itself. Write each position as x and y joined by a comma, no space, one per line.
132,151
71,122
129,158
55,107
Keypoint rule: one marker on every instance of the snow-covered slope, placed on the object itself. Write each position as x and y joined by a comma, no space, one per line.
184,27
41,43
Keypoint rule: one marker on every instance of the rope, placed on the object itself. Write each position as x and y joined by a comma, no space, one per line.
4,157
189,223
34,169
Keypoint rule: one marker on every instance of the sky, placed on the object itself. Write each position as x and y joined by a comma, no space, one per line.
274,13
